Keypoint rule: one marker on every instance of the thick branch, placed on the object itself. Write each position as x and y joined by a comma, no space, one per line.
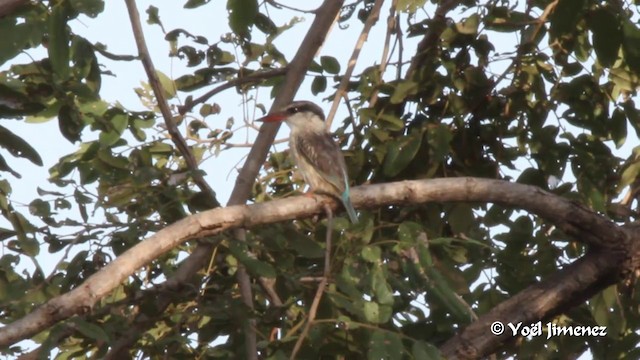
571,286
326,14
575,219
295,73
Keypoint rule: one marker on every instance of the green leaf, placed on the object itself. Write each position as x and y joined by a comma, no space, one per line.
70,123
192,4
242,14
618,127
168,85
385,345
58,46
534,177
410,6
5,167
439,288
318,85
18,147
629,175
91,8
440,140
305,247
408,232
424,351
631,45
565,17
607,34
469,26
403,90
253,265
17,37
461,218
90,330
376,313
390,122
401,153
154,16
330,64
39,207
371,254
381,289
606,311
265,24
118,124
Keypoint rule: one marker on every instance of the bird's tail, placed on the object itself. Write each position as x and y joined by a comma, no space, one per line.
346,200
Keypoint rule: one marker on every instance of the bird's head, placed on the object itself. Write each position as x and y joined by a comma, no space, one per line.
298,115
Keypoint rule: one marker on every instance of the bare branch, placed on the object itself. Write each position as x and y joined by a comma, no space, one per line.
154,81
371,20
323,284
554,295
576,220
295,72
240,80
391,26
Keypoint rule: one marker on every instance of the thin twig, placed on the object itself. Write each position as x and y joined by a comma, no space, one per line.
325,16
539,22
323,284
385,52
158,91
344,82
399,36
240,80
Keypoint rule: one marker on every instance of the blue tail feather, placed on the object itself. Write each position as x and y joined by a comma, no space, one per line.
346,201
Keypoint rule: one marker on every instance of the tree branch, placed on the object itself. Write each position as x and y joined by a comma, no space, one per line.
576,220
240,80
295,73
371,20
555,295
158,91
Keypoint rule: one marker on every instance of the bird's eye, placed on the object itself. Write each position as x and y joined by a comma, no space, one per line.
293,110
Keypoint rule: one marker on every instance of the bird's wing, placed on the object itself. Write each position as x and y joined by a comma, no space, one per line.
325,156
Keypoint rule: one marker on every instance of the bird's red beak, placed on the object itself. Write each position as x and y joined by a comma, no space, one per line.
273,117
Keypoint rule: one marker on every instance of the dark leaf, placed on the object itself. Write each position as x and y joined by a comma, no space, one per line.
242,15
58,46
330,64
607,34
318,85
192,4
18,147
70,123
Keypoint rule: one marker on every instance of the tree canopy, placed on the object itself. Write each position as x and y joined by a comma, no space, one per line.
492,146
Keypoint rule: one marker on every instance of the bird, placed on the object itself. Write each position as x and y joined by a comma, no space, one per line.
315,153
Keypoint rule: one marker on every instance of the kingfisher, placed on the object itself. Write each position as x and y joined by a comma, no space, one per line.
316,155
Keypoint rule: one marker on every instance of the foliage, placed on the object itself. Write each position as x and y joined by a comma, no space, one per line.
406,278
